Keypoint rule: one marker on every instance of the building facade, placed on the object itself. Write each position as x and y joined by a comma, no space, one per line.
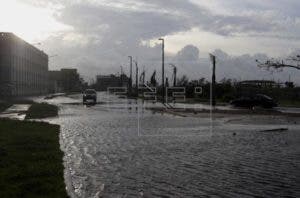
104,82
65,80
55,82
70,80
23,68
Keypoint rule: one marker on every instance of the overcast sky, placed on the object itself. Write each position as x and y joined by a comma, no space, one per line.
96,36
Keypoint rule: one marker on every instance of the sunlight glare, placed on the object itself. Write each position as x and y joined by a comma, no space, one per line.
30,23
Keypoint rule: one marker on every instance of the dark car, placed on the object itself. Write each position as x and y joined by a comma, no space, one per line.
259,100
90,95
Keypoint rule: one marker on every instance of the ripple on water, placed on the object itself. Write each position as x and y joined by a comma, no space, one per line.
174,156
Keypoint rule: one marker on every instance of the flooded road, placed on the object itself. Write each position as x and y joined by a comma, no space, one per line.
17,112
119,149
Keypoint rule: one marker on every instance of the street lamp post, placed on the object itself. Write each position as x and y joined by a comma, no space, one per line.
136,77
130,79
213,83
121,76
163,69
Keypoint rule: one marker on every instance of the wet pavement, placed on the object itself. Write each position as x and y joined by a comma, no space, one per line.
118,148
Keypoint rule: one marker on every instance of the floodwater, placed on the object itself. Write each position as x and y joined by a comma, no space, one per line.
16,111
117,148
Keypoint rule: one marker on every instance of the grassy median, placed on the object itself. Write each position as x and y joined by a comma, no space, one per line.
41,110
30,160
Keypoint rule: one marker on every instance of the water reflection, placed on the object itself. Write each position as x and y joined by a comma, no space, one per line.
119,149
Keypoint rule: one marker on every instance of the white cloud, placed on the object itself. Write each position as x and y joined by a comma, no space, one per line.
28,22
105,32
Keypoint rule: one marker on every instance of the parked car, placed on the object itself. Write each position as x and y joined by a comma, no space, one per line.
259,100
90,94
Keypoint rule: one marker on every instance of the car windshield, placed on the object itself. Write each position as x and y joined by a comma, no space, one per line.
264,96
90,92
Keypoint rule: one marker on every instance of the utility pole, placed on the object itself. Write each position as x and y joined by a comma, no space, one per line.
143,76
167,82
175,76
136,77
130,79
163,69
213,80
121,76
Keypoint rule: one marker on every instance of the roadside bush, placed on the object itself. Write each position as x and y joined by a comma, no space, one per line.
41,110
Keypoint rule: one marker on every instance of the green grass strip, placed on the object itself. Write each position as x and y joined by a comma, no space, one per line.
30,160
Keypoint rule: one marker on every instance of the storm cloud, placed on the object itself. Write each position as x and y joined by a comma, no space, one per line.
103,33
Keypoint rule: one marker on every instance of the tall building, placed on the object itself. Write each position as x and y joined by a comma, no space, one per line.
23,67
